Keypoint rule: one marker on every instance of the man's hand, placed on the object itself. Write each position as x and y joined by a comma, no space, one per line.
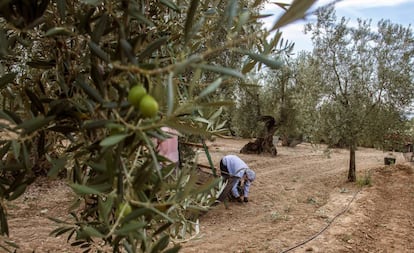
246,199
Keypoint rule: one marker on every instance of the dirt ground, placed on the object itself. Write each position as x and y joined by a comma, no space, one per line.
300,202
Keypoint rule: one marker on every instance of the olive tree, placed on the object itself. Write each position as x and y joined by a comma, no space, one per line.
282,94
363,73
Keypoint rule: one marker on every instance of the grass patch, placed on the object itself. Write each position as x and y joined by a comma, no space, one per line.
312,200
365,180
276,216
345,238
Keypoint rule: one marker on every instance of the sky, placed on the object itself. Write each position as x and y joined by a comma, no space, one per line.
397,11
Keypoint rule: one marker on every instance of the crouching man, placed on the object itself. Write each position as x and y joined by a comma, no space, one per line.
237,174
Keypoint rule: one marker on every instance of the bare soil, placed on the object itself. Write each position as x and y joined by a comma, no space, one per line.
300,202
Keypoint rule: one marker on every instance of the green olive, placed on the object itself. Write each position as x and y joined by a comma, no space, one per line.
136,94
148,106
126,207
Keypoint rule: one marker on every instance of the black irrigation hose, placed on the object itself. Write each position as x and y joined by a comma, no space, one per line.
327,225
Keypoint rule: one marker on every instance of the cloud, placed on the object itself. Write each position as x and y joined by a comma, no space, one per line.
365,4
397,11
294,30
354,4
294,33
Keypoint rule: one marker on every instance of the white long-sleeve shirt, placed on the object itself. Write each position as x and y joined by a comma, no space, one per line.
237,168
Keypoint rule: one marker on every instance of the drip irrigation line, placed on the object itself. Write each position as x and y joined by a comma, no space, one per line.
326,227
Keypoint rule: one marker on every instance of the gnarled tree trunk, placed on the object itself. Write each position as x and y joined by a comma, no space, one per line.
263,143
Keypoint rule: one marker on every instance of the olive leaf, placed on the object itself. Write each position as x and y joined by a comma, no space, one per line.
113,140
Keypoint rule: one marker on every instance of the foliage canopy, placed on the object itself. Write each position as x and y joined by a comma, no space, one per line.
364,76
65,72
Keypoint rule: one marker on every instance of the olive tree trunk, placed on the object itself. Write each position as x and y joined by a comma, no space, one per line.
352,166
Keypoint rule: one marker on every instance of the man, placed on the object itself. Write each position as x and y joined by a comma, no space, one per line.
234,170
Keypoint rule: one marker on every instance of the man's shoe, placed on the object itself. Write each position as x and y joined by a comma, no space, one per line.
216,203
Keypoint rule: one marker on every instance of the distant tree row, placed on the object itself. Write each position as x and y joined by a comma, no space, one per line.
352,89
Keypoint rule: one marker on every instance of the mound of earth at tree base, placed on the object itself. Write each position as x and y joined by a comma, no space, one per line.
295,196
